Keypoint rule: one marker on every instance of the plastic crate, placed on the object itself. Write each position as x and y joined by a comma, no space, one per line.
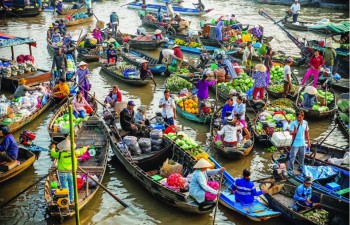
333,186
158,126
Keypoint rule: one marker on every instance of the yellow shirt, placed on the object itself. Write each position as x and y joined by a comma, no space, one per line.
65,158
63,89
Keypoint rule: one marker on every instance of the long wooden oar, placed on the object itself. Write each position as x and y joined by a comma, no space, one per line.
26,189
104,188
218,196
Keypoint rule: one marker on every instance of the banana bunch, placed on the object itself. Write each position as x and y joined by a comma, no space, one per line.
194,45
179,42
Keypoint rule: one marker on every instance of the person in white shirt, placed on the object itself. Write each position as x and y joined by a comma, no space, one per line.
295,9
169,108
170,10
287,78
230,132
168,54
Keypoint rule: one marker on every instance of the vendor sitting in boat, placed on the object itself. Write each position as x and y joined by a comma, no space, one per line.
326,78
8,146
198,184
49,32
158,35
62,27
111,53
244,189
127,119
23,88
150,17
303,196
310,98
64,166
140,117
170,29
230,132
56,37
114,97
61,90
80,106
227,110
67,41
97,34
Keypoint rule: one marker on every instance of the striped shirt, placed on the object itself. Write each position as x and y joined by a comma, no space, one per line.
245,191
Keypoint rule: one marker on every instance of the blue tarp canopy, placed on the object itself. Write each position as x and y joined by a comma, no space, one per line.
319,172
7,40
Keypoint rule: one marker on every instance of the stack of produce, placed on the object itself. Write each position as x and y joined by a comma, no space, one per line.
145,145
176,84
132,144
344,107
13,68
125,70
321,95
276,80
61,124
318,216
156,139
188,44
189,105
241,84
176,180
189,145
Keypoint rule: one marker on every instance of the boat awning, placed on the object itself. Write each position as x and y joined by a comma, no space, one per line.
319,172
7,40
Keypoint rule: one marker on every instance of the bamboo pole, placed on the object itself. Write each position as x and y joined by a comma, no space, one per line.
74,170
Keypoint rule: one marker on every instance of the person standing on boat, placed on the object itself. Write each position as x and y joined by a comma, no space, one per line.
23,88
60,62
114,21
295,9
303,196
160,14
259,76
111,54
203,91
244,189
127,119
83,74
227,110
300,131
316,63
170,9
49,32
169,55
59,7
200,6
97,34
8,146
80,106
268,63
168,108
287,82
88,6
248,54
199,180
218,29
64,166
178,54
114,97
62,27
329,54
61,90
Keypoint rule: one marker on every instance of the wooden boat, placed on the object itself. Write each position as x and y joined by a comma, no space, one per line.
183,11
281,198
277,94
138,43
192,75
111,70
10,170
251,104
24,121
59,136
143,171
87,54
255,211
70,11
158,25
304,26
93,132
284,2
79,21
260,127
315,114
134,57
205,119
54,49
204,40
229,152
344,126
341,178
19,9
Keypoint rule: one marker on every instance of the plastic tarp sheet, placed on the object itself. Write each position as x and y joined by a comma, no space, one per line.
7,40
319,172
338,28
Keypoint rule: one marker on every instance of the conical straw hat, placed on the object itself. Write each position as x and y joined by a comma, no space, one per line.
65,145
202,163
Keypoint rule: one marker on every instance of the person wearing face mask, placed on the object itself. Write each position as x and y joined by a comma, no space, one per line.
316,63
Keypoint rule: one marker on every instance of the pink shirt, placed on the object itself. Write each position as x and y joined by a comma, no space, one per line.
78,106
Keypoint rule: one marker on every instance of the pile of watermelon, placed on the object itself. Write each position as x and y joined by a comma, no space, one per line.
241,84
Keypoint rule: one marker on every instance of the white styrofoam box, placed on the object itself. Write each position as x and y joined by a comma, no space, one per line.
281,139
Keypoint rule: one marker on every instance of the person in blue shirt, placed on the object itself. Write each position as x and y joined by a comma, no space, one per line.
8,147
309,97
59,7
111,53
114,21
227,110
62,27
160,14
303,196
239,107
244,189
300,131
56,37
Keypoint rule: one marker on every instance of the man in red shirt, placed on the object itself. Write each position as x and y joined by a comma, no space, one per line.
316,63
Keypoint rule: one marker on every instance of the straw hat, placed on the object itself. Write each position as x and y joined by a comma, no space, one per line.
142,108
329,44
65,145
202,163
143,61
157,31
327,70
89,36
82,63
176,46
51,26
22,81
260,67
311,90
111,40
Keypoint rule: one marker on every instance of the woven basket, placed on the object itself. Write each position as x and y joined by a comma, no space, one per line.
100,24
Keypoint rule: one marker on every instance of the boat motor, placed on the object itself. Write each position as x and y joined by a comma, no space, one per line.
61,198
26,138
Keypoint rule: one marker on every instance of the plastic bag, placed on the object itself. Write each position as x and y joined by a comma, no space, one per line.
146,150
157,142
156,134
209,196
156,148
132,144
145,143
169,167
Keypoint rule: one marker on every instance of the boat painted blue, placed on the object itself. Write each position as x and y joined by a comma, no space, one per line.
255,211
196,50
183,11
48,8
320,184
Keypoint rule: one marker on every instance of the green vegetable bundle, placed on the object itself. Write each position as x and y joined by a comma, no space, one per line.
344,117
176,84
343,105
